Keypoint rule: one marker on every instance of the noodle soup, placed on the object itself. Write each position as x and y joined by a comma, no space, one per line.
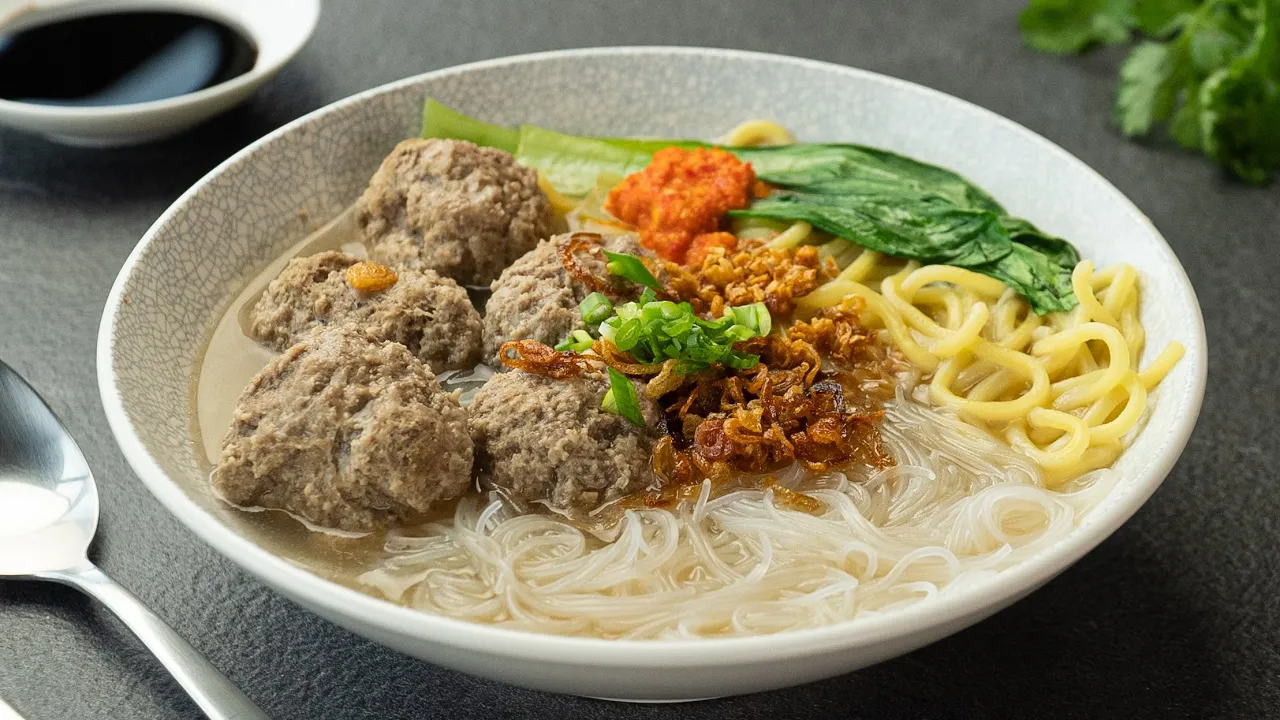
729,400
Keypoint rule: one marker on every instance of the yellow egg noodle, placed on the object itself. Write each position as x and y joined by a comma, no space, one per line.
1064,388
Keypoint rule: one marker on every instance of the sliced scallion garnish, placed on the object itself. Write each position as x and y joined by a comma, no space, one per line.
595,308
622,398
578,341
630,267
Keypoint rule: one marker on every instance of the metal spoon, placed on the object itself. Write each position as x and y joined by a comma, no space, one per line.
48,514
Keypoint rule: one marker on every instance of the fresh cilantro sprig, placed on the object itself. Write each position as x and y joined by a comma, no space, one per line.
1066,26
1207,70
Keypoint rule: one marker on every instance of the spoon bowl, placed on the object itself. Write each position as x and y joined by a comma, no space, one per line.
48,517
48,500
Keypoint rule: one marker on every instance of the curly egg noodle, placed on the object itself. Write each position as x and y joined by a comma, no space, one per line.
1003,436
1064,389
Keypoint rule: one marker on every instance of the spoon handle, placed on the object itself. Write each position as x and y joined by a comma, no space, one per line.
210,689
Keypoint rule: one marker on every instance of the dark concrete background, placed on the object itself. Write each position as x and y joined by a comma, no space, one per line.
1174,616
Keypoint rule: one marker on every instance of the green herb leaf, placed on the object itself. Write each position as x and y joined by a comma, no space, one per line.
622,398
1160,18
1067,26
1184,126
1211,46
1215,80
1147,90
1240,104
631,268
1056,250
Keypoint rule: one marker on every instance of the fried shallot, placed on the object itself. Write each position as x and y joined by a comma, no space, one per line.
533,357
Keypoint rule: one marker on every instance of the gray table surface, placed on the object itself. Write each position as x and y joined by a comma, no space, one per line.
1176,615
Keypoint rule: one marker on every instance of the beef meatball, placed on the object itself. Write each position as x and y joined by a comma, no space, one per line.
346,431
429,314
545,439
451,206
535,299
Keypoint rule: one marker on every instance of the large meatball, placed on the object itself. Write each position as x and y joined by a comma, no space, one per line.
451,206
535,299
346,431
429,314
545,439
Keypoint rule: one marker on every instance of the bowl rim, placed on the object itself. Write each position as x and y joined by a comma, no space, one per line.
391,620
299,34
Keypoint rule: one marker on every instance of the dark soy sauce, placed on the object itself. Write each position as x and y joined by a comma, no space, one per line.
120,58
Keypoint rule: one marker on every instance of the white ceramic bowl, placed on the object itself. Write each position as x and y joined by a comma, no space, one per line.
244,213
279,29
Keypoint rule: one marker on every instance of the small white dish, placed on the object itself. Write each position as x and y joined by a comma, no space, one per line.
278,29
245,213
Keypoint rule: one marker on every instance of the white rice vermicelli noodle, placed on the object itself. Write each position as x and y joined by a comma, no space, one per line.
959,505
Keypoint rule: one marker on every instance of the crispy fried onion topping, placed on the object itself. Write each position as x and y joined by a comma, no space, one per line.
589,244
622,361
773,276
836,332
592,245
784,410
727,425
533,357
759,421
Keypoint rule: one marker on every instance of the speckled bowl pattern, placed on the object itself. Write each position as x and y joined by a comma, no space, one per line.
247,211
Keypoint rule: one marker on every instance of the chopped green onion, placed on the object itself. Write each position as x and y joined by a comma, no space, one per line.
631,268
628,334
622,398
578,341
679,326
764,321
741,362
655,331
754,316
595,308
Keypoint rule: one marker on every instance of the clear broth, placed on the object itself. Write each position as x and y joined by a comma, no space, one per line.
230,361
